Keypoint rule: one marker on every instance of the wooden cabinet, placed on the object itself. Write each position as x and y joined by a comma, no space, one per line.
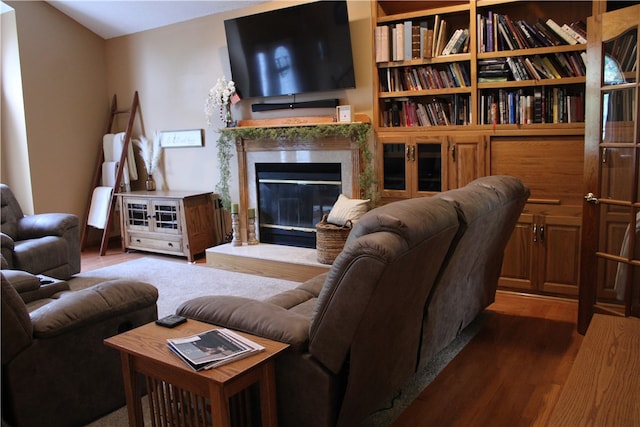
168,222
543,254
424,164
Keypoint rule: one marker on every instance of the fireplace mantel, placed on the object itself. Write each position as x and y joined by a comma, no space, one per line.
280,122
308,135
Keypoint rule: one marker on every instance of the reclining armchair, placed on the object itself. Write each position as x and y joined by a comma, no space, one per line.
55,368
47,243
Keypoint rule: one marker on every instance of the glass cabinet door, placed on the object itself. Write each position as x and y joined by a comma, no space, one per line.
394,152
429,168
137,214
166,216
411,166
611,274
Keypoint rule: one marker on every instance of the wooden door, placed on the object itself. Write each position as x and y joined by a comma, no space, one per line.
466,159
610,272
519,256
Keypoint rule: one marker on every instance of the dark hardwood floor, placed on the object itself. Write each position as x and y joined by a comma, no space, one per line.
510,374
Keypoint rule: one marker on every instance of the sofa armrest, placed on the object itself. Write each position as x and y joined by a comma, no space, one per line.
46,224
22,281
106,300
6,241
250,316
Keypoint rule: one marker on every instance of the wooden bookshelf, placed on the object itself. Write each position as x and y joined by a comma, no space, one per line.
416,160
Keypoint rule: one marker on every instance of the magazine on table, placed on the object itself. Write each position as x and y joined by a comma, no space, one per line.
213,348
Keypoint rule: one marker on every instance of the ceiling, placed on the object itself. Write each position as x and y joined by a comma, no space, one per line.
116,18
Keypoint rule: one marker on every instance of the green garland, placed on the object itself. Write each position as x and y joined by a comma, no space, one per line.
358,131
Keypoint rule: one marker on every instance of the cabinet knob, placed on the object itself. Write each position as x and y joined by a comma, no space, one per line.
170,244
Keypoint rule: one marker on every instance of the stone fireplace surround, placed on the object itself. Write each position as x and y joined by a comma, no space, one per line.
337,149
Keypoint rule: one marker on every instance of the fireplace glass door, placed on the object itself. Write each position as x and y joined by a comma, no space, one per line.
292,199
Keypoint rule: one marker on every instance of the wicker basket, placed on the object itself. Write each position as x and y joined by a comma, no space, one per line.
330,240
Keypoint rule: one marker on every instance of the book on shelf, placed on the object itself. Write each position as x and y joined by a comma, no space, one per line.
382,43
416,47
441,38
398,42
506,40
434,40
549,34
426,41
574,34
461,44
452,40
561,32
213,348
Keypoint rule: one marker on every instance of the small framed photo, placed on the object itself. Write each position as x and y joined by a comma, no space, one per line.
344,113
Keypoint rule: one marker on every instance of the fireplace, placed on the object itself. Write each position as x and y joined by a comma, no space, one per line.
292,198
337,155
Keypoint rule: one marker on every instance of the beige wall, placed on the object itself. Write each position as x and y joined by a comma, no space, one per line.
65,101
173,67
14,158
70,74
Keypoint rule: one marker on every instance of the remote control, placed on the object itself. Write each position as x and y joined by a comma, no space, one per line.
171,321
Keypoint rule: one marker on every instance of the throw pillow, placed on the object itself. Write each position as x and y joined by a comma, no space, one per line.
347,209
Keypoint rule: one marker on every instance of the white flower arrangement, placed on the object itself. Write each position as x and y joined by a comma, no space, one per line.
219,98
150,151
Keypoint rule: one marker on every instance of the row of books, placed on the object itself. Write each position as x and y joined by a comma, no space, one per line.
424,77
441,111
499,32
537,67
535,105
404,41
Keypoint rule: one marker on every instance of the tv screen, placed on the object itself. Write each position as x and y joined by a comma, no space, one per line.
300,49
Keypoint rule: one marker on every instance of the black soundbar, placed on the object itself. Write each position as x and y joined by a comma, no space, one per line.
322,103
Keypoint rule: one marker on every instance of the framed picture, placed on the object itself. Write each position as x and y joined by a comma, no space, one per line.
182,138
344,113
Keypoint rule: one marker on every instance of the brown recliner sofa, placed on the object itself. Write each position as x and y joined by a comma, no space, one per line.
55,368
358,332
47,243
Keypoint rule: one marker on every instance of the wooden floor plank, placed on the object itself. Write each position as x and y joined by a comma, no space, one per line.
603,387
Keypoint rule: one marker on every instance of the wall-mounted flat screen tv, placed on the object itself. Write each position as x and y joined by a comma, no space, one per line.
299,49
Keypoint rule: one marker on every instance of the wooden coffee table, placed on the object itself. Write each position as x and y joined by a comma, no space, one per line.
180,396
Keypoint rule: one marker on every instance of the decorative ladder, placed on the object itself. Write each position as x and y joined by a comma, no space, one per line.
97,177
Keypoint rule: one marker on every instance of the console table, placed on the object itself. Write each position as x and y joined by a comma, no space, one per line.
168,222
177,394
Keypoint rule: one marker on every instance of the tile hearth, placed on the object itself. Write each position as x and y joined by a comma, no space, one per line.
264,259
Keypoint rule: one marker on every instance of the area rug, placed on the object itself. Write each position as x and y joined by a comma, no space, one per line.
178,282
